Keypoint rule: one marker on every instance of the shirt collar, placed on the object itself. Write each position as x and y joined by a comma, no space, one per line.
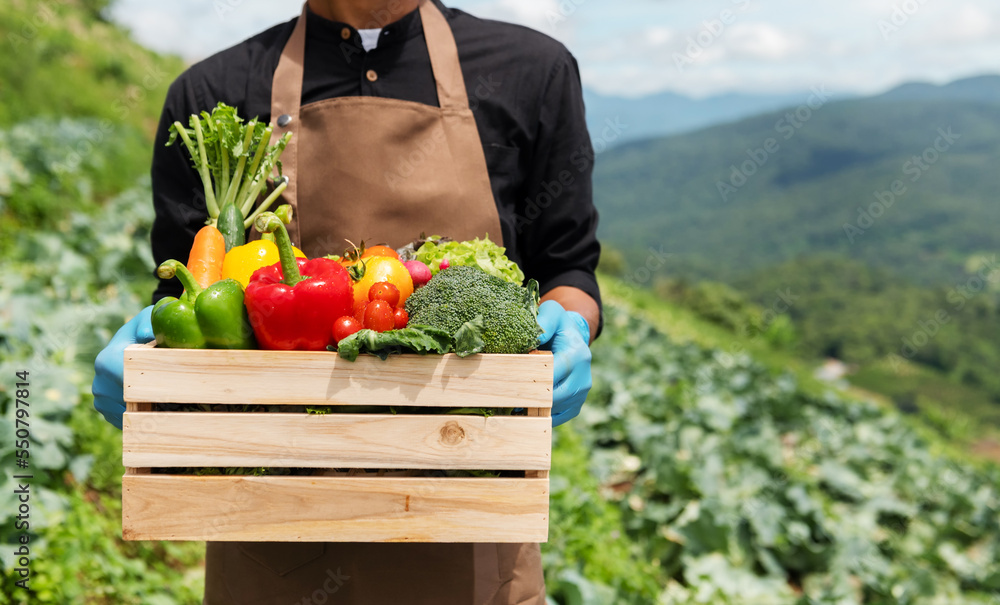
408,26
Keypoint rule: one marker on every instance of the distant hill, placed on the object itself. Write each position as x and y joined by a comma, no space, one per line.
690,194
670,113
980,88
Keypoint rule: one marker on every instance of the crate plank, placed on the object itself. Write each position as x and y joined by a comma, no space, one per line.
334,509
221,439
133,408
547,414
155,374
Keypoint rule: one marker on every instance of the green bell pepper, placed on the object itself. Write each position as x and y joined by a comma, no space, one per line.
213,318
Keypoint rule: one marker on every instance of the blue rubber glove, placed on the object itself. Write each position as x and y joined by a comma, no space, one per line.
567,335
110,366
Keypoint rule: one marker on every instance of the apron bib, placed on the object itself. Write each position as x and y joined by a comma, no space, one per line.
382,170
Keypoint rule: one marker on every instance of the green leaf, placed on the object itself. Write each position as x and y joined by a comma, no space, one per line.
413,339
469,337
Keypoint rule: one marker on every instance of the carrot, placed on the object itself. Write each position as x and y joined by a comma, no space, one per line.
207,254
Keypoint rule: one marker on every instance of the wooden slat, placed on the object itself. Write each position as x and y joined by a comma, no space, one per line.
334,509
546,414
322,378
133,408
220,439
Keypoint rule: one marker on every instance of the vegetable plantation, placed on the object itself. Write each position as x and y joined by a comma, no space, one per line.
692,475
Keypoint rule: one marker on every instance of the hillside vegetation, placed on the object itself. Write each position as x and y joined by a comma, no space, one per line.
76,95
724,202
702,470
874,218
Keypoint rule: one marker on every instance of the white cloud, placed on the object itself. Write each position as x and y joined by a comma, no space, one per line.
969,23
658,35
759,41
629,48
547,16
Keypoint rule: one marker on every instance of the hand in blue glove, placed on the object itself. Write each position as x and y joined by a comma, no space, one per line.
567,335
110,366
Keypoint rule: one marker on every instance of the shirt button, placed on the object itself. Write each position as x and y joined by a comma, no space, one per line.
345,33
371,75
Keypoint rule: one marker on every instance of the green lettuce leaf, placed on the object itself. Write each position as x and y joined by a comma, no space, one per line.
482,253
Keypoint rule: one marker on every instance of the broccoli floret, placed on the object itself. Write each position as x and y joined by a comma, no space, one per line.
459,295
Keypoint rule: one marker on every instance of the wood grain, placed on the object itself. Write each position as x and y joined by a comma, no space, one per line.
229,439
546,414
133,408
334,509
155,374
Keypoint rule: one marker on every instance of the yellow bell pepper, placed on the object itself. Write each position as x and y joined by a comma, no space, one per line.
242,261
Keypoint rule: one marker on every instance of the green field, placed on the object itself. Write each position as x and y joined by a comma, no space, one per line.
708,466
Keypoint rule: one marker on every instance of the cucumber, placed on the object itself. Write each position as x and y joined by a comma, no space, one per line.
230,223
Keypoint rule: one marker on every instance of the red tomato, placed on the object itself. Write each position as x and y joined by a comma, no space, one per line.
401,317
359,310
379,316
386,291
344,327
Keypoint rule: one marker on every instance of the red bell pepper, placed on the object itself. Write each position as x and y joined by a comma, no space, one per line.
292,304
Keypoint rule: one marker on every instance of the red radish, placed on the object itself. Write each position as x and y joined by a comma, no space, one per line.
444,264
419,272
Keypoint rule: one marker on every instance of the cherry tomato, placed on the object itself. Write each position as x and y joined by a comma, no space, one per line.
344,327
401,317
359,310
379,316
386,291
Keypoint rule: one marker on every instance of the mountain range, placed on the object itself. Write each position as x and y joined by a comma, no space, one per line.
906,180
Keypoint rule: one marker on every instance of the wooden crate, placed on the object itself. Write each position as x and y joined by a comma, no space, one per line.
341,506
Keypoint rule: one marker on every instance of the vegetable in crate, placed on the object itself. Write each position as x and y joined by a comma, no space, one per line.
293,304
377,269
208,252
439,254
234,159
415,339
242,261
211,317
485,314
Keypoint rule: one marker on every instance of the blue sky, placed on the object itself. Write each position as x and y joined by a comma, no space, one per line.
698,48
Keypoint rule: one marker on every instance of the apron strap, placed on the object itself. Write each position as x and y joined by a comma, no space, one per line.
286,97
444,58
286,88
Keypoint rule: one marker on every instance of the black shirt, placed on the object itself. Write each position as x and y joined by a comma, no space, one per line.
525,92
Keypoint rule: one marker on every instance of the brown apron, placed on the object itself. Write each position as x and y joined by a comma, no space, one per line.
382,170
